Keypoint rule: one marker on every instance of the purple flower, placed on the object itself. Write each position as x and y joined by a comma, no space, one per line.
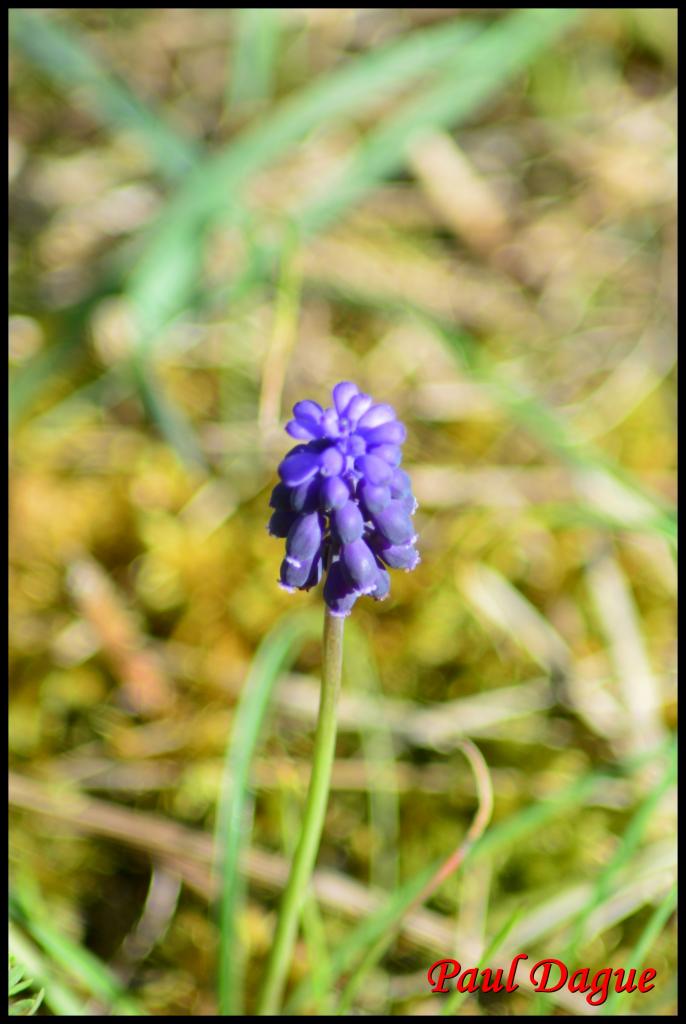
343,504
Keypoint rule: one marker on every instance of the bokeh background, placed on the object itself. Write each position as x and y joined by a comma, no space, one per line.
213,214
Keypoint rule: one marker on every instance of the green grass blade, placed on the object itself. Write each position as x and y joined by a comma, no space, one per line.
499,837
66,58
360,671
475,72
258,31
82,965
631,839
292,801
58,997
234,817
656,922
162,282
474,76
164,277
165,272
18,983
548,427
456,999
168,418
628,845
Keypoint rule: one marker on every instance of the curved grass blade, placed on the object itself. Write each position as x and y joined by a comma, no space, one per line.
254,54
647,938
163,281
474,74
234,817
499,53
456,999
82,965
498,838
18,983
447,867
388,917
645,511
60,53
61,1000
161,284
631,839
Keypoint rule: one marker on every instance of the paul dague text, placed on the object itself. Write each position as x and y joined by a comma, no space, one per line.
545,976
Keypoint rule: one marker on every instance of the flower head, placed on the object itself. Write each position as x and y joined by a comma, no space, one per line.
344,505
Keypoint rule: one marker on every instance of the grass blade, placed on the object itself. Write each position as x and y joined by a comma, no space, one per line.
638,510
499,837
630,842
254,54
451,864
82,965
234,817
472,78
614,498
66,58
162,282
377,744
455,1000
61,1000
647,938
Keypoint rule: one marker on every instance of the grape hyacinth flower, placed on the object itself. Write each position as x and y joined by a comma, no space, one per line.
344,505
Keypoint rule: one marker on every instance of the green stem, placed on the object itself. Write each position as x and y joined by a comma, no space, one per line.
313,820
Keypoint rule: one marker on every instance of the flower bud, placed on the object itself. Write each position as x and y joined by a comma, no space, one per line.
334,493
395,524
373,497
348,523
304,538
338,592
360,566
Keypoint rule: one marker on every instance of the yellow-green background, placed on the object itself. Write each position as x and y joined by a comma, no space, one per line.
213,214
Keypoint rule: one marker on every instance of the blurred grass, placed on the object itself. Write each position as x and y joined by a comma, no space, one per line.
62,1001
234,816
252,67
65,57
85,969
19,984
456,999
215,213
649,935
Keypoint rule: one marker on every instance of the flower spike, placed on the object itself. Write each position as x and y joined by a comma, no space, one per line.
343,504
